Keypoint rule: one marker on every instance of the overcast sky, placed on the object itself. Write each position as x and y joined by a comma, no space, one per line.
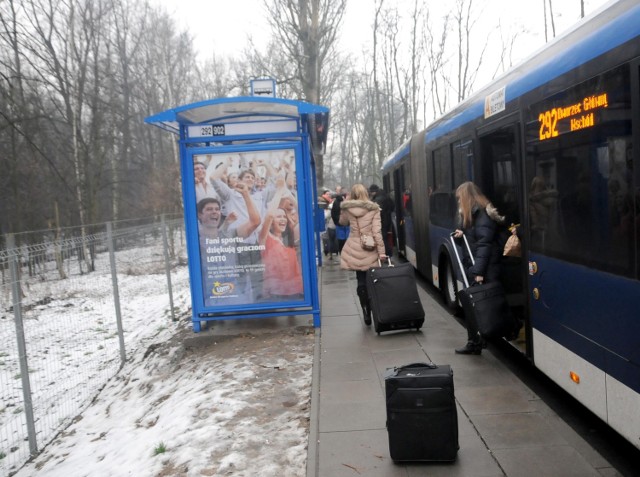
224,25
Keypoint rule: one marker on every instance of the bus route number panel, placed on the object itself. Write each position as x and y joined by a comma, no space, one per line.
565,118
264,127
583,106
206,130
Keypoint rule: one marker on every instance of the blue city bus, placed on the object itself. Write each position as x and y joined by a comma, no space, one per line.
554,144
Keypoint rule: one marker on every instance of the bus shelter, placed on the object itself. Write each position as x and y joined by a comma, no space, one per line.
249,192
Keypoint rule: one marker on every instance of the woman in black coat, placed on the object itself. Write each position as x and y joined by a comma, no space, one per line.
479,221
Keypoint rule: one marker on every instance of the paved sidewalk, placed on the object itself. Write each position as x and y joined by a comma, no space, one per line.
505,429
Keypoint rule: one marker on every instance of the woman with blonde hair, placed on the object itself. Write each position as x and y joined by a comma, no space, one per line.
363,217
478,221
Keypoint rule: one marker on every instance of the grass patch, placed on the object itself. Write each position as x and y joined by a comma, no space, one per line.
160,449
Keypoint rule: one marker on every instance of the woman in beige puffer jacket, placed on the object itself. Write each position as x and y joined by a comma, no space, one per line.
361,214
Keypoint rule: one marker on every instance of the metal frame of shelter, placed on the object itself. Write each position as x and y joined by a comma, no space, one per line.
229,279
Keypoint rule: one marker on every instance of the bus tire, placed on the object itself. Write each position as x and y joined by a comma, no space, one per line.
449,287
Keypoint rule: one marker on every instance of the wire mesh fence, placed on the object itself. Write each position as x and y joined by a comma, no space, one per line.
69,307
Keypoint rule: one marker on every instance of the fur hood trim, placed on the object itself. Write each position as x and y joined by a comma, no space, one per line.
363,204
493,213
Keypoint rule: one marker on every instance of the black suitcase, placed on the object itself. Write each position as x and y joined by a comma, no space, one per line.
485,304
422,419
393,297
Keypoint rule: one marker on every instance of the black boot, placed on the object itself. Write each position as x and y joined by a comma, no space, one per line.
470,348
364,303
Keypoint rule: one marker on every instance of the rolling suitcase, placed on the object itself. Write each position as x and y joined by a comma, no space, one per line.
485,304
393,297
422,419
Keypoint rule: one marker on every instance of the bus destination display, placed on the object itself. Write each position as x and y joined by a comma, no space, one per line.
571,117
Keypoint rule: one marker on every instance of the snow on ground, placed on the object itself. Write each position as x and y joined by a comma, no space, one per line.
191,405
235,405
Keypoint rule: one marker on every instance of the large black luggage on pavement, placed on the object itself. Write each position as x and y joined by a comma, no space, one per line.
422,420
393,297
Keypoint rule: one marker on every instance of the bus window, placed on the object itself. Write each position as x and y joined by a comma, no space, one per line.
407,204
399,189
581,196
442,203
462,161
499,156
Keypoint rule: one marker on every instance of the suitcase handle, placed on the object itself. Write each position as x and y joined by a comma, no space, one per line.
392,372
388,263
430,364
466,242
455,251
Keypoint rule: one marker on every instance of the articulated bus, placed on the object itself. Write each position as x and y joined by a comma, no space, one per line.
554,144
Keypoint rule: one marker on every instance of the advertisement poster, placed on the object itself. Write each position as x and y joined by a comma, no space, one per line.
248,230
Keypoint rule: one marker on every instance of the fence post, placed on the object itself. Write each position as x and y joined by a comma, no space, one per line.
167,266
22,346
116,294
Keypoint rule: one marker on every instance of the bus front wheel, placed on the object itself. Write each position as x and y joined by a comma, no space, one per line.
449,287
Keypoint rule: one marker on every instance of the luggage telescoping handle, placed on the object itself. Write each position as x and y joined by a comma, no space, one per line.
388,262
466,242
455,250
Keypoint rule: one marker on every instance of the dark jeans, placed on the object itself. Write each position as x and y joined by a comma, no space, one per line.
388,244
332,241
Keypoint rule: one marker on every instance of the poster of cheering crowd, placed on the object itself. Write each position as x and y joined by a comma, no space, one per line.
248,227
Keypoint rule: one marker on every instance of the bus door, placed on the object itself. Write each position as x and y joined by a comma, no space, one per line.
399,193
500,173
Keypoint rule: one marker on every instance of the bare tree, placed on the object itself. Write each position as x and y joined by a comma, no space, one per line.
505,52
274,63
379,137
308,30
76,80
13,113
436,59
417,52
549,18
468,68
395,91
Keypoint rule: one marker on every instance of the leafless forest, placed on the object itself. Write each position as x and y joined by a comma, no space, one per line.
77,78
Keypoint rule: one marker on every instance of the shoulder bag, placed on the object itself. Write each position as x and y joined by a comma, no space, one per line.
366,241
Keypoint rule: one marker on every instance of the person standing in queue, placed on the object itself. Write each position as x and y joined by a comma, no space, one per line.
478,221
363,217
380,197
342,231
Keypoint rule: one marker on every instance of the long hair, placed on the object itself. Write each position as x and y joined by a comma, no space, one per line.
359,192
469,195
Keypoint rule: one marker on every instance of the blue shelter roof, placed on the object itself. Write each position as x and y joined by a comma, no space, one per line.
241,108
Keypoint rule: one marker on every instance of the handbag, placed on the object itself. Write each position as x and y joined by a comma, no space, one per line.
513,247
366,241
